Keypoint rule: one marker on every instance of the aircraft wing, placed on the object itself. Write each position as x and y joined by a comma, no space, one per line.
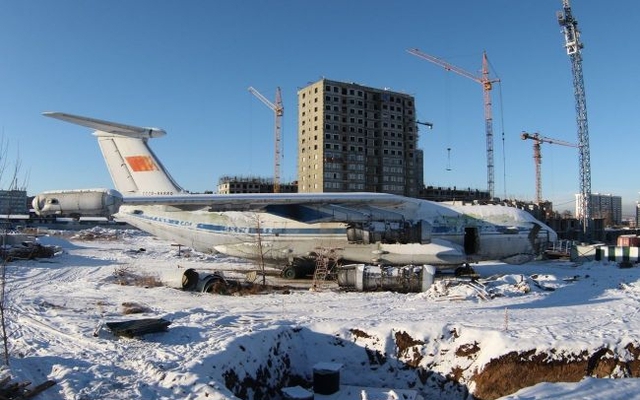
303,207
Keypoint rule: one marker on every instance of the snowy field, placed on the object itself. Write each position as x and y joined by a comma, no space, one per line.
554,318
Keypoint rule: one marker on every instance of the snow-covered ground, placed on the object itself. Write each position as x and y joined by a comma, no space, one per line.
552,313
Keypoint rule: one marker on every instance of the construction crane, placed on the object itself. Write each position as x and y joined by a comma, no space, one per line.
278,110
537,157
487,84
427,124
574,46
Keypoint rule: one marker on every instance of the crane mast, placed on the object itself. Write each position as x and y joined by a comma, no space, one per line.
278,110
537,157
487,84
574,46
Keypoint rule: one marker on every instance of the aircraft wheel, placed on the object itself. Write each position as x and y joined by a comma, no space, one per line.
289,273
465,270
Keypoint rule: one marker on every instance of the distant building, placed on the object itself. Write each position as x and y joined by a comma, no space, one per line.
468,195
237,184
603,206
13,202
353,138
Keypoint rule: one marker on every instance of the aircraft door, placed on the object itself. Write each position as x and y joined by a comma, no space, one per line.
533,238
471,240
357,234
425,232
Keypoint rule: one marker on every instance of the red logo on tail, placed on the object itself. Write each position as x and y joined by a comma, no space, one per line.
141,163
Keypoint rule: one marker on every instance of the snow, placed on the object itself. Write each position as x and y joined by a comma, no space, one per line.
58,309
586,389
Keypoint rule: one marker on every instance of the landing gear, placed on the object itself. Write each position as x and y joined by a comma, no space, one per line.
289,272
298,268
466,270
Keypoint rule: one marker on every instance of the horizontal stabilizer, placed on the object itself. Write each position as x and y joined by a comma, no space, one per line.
108,127
134,168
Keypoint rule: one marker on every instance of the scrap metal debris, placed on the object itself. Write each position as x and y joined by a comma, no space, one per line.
19,390
26,251
138,327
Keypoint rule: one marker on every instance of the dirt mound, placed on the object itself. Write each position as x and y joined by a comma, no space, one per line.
514,371
406,362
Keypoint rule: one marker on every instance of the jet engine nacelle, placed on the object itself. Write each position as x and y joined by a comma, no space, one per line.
78,203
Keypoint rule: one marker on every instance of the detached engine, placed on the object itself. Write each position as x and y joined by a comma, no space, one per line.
78,203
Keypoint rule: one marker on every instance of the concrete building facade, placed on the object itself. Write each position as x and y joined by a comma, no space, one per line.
603,206
240,184
353,138
13,202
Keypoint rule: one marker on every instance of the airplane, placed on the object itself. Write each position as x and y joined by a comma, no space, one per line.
291,229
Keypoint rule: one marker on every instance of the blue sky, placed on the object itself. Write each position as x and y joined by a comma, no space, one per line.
185,66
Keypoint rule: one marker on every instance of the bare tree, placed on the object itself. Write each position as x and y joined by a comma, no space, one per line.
260,249
12,184
3,300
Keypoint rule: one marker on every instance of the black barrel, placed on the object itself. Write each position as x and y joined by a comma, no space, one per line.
326,378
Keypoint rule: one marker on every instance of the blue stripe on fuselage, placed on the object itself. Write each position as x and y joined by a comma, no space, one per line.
235,229
439,230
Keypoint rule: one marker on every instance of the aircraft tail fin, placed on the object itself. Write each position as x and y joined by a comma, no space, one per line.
133,166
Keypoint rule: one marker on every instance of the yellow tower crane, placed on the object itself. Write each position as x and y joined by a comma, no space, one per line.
487,84
537,156
278,110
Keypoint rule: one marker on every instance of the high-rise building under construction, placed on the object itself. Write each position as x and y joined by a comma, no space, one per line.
353,138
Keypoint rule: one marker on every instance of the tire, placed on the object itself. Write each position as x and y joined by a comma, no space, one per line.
289,273
465,270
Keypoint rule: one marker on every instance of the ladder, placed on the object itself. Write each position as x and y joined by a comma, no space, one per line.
325,258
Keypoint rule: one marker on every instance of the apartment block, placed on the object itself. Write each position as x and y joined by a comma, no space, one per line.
13,202
251,184
353,138
603,206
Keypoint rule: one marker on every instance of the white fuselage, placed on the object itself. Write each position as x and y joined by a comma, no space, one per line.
280,240
357,227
